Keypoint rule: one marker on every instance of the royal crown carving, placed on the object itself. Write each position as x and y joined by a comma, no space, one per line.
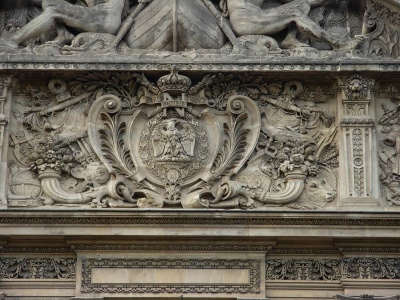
118,140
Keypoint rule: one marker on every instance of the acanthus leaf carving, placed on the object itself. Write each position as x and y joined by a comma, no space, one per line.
309,269
37,268
113,146
224,142
232,149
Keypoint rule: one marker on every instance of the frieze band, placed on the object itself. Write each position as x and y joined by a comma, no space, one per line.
253,266
333,269
37,268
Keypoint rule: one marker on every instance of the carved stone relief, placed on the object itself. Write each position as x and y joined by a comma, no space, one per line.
5,84
118,140
381,23
333,269
37,268
309,29
388,148
358,146
115,115
251,266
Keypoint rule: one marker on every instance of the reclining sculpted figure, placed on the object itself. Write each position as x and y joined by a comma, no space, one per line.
101,16
248,18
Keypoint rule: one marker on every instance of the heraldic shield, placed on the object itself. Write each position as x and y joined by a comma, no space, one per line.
174,148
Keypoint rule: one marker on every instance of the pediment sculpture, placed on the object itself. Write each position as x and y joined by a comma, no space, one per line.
277,28
221,141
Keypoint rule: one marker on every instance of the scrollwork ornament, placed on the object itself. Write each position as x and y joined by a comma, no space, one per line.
38,268
112,104
235,106
121,141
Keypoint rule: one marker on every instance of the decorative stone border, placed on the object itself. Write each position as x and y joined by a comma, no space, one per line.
253,265
359,268
144,219
206,66
38,268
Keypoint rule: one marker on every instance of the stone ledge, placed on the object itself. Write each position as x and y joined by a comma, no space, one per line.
247,65
198,217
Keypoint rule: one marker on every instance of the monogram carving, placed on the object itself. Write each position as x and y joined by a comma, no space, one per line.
333,269
37,268
118,140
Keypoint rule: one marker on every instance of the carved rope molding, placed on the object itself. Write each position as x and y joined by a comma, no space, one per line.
360,268
252,265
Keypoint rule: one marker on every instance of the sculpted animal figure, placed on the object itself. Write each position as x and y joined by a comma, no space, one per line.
248,18
101,16
311,193
316,194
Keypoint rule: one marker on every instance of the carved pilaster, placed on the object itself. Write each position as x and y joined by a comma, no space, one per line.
358,160
5,87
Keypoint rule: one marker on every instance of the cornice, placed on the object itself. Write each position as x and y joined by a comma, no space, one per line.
213,217
240,64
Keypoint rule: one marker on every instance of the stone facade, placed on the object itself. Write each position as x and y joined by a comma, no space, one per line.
234,149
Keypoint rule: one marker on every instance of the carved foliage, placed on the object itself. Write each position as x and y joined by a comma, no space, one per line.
118,140
37,268
357,123
113,146
384,40
389,153
303,269
333,269
233,147
371,268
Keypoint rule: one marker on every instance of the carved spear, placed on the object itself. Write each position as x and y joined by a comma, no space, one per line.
128,22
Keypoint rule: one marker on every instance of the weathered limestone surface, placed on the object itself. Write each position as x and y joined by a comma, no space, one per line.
174,149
